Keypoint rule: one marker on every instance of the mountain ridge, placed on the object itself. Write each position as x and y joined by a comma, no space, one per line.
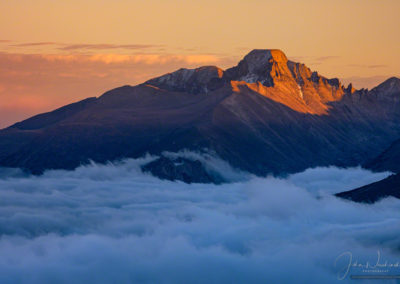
290,120
373,192
277,77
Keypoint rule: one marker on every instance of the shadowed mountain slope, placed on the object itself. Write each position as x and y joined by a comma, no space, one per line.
265,115
388,187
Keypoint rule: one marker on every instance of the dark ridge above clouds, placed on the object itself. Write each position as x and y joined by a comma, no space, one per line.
267,115
371,193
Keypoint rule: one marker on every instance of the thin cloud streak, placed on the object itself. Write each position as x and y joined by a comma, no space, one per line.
83,46
28,44
108,46
313,58
372,66
325,58
110,58
377,66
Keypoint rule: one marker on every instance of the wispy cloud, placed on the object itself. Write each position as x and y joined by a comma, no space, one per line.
325,58
314,59
107,46
372,66
28,44
60,46
377,66
148,59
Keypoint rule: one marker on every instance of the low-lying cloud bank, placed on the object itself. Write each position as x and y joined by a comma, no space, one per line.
114,224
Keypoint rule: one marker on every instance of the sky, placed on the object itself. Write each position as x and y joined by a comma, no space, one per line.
56,52
112,223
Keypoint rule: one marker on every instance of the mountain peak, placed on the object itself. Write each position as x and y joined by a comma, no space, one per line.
261,116
388,87
266,71
260,65
259,58
392,81
199,80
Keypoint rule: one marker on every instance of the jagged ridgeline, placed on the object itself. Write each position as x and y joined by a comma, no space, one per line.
266,115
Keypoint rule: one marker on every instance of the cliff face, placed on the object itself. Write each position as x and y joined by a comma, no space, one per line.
265,115
267,72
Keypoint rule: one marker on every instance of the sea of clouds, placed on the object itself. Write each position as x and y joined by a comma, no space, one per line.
114,224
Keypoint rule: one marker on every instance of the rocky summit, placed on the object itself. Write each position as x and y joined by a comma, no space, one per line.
267,115
267,72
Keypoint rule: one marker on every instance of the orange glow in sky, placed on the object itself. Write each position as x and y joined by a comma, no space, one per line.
57,52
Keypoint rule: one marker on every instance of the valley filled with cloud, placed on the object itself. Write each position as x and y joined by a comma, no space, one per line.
115,224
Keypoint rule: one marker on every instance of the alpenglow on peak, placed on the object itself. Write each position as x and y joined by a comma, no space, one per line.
258,58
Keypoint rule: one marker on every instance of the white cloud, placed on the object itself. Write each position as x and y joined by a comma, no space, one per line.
114,224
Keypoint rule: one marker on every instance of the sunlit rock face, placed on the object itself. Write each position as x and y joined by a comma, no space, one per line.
266,71
290,83
264,66
265,115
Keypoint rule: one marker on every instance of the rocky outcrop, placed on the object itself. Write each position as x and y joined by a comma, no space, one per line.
264,66
269,73
186,170
194,81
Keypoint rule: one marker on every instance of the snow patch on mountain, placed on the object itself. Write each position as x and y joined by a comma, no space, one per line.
300,92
